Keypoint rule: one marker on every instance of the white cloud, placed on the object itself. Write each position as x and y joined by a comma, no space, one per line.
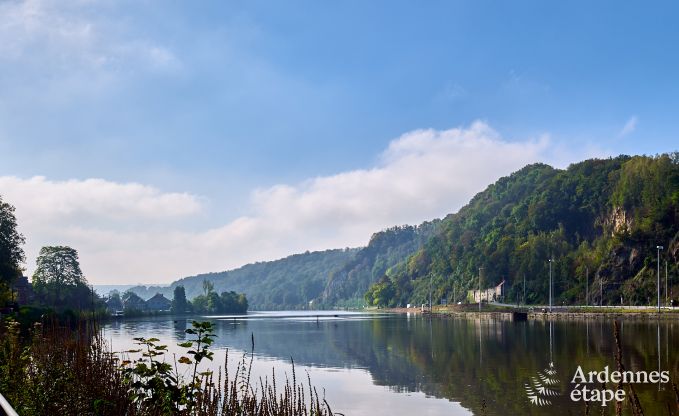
629,126
46,201
134,233
72,40
110,224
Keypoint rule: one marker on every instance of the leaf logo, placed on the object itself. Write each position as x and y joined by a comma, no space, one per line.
540,388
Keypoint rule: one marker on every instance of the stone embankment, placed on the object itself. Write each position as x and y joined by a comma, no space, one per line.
534,314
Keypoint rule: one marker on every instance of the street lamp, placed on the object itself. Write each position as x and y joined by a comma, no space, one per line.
550,284
659,248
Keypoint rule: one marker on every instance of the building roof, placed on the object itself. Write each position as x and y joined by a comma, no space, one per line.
158,301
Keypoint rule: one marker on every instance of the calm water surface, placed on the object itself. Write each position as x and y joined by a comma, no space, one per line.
371,364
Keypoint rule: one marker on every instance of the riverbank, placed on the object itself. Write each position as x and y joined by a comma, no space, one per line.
541,313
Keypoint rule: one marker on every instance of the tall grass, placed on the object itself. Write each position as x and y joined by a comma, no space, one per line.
70,370
61,370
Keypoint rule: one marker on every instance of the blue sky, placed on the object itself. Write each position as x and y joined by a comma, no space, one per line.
223,109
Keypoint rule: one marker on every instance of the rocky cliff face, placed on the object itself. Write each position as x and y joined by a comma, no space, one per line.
618,222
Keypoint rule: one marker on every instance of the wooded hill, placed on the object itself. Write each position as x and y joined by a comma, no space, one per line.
290,282
604,217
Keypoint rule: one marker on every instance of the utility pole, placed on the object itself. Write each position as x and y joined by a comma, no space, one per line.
454,294
480,268
550,284
587,286
524,289
659,248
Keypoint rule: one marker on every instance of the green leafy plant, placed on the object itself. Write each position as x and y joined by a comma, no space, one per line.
155,384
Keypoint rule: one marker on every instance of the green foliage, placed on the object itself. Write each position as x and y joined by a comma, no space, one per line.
381,293
11,253
55,370
70,371
58,281
156,385
288,283
227,302
12,362
179,302
605,216
385,249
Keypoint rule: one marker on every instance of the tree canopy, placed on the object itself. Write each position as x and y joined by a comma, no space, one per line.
227,302
179,302
11,253
58,279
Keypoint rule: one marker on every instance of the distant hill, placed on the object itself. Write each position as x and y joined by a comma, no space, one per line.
330,278
290,282
104,290
605,216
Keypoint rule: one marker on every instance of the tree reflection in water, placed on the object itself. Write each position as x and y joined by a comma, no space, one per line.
481,363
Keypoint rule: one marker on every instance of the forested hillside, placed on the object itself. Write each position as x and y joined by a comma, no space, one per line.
290,282
599,220
605,217
348,284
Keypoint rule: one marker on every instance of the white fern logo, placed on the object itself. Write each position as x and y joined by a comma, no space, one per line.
540,389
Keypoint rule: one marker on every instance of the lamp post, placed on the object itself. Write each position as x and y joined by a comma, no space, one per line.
550,284
659,248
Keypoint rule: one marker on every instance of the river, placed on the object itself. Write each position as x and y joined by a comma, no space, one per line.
391,364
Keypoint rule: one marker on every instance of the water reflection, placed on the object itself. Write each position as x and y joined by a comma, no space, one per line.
447,366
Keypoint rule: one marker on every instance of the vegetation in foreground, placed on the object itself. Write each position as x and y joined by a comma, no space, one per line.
71,371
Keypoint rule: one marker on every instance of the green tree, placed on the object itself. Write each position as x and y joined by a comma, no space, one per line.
381,293
58,279
11,253
114,302
214,303
179,303
233,302
208,287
